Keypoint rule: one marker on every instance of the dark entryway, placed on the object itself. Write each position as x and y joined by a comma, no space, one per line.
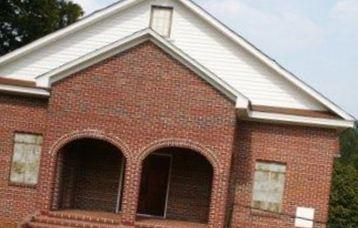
176,184
91,174
154,185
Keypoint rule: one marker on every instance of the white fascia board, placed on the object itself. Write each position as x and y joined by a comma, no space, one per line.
36,92
82,23
243,107
265,59
298,120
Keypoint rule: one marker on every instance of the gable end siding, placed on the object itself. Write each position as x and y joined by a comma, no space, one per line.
189,33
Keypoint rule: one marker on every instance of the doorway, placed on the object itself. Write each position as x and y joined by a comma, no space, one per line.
153,197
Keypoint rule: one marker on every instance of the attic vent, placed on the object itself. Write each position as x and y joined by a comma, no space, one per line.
161,20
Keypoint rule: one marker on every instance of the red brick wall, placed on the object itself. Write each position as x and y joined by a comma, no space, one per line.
308,154
143,99
25,115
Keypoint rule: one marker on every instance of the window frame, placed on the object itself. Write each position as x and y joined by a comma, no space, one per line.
171,8
18,184
283,190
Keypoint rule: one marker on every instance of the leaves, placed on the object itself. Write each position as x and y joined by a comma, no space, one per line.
23,21
349,147
344,196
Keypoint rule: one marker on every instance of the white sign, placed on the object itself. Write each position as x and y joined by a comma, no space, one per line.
304,217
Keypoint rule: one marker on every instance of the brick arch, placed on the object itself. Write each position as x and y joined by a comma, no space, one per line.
55,151
195,147
184,144
89,134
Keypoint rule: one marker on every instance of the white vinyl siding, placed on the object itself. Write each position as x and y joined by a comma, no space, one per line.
189,33
26,159
269,185
161,20
79,43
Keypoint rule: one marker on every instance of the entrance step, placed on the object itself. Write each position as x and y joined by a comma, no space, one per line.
74,220
84,216
41,225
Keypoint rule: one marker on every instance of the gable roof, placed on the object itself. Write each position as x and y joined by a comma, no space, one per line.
129,42
119,6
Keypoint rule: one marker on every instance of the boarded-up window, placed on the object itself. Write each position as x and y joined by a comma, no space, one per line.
269,186
161,20
26,159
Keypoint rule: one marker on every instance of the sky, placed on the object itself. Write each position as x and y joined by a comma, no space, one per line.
317,40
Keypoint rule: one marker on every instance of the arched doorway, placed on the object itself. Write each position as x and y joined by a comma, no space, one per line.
176,183
89,176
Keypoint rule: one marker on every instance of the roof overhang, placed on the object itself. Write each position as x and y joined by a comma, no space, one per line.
271,117
242,103
266,59
24,91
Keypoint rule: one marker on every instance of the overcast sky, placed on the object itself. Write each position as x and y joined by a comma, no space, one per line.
315,39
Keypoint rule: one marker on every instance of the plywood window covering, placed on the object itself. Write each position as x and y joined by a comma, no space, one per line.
269,185
26,159
161,20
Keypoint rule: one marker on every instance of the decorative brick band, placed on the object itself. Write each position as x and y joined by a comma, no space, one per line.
73,136
91,134
181,143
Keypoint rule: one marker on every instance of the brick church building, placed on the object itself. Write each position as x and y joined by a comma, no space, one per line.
152,113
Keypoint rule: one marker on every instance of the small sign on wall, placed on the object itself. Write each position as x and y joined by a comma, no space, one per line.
304,217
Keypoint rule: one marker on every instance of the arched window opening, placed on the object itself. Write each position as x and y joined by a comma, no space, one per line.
89,176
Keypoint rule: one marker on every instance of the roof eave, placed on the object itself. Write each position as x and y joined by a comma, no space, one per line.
24,91
278,118
80,24
266,60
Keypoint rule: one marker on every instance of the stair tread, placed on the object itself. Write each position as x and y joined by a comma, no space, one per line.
83,217
44,225
66,222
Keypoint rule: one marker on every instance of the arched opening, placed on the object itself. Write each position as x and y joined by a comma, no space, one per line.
89,176
176,184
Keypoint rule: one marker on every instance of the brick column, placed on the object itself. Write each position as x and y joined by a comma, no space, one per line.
219,195
130,192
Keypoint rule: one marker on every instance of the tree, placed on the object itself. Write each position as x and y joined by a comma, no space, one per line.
349,148
344,196
23,21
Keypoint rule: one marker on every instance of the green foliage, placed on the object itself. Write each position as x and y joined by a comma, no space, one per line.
344,196
23,21
349,148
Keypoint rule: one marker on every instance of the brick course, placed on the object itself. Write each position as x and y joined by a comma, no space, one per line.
142,100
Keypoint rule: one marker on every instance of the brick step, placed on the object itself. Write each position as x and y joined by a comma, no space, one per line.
143,225
82,217
41,225
66,222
